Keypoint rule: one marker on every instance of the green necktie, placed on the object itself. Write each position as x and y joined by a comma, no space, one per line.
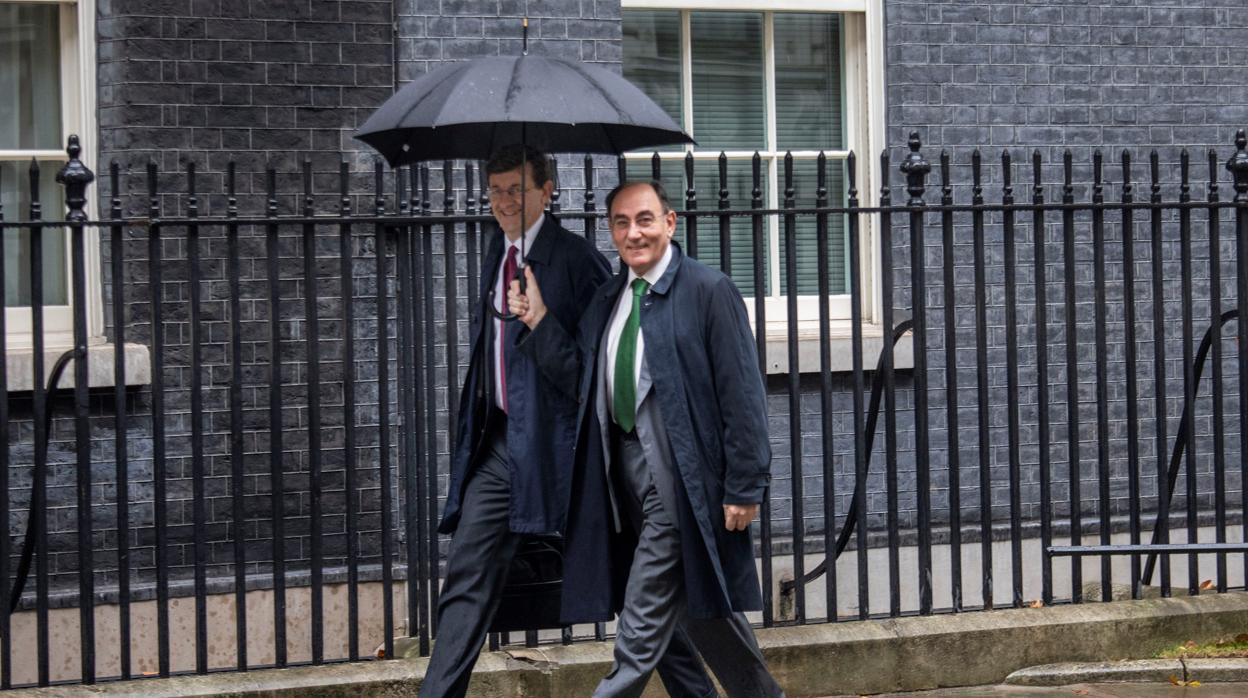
625,399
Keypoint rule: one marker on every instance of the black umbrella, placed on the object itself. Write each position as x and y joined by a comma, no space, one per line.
468,110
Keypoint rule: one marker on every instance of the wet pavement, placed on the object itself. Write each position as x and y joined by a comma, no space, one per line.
1087,690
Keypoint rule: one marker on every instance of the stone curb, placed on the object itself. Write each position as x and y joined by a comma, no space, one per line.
1217,670
1137,670
1068,673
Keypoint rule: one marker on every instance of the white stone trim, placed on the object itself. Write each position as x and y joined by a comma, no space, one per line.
20,366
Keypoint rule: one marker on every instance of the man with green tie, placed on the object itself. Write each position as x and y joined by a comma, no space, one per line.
673,458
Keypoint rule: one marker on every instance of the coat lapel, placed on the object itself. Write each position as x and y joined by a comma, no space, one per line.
593,325
543,243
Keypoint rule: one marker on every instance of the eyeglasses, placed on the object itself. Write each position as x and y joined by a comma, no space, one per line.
512,192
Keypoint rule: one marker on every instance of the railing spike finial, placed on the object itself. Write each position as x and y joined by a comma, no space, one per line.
1238,166
75,176
915,167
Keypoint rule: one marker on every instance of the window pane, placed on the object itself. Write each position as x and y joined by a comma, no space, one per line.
706,183
652,57
805,181
15,196
728,103
30,76
809,100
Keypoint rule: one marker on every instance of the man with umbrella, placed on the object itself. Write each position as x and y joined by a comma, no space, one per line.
672,443
511,472
513,457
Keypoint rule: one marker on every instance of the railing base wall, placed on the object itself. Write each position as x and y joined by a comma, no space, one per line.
222,640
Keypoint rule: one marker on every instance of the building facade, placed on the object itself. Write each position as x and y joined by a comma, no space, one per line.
277,84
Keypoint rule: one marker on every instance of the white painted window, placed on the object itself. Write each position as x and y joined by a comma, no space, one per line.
47,92
746,76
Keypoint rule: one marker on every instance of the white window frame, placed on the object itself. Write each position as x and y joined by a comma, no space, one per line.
78,103
862,42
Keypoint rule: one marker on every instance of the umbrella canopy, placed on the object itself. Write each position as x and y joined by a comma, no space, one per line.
468,110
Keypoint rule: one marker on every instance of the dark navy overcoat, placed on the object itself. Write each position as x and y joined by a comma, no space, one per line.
700,352
541,424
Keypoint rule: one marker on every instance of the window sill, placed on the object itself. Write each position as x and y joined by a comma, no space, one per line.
20,362
840,346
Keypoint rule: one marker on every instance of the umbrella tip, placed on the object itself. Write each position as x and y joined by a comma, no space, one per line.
525,47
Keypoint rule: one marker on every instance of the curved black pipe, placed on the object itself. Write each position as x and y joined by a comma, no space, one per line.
851,517
1182,439
37,499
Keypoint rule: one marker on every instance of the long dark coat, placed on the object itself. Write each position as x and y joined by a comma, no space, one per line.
541,427
701,356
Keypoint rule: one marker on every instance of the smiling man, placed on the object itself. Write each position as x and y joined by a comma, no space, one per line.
512,465
673,457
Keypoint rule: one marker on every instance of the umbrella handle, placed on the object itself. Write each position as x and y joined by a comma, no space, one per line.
505,317
509,317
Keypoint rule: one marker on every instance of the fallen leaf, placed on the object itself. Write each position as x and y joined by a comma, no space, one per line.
1207,584
1190,643
1242,637
381,653
1174,680
1193,684
1081,692
1038,603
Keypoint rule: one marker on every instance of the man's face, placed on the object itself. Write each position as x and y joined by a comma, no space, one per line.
639,227
506,196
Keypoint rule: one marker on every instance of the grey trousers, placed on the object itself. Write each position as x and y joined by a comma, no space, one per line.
654,600
476,570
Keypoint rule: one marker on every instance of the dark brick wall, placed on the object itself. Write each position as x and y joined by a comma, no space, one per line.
258,82
434,31
270,84
1053,75
1046,78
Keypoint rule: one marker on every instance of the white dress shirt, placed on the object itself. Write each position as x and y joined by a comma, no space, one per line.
623,307
500,298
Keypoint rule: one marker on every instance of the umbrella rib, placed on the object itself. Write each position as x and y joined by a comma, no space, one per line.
512,87
579,70
451,73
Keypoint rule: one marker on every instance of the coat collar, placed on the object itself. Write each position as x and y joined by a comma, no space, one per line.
544,244
665,282
612,287
540,251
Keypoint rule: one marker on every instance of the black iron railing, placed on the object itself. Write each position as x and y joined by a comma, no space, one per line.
304,349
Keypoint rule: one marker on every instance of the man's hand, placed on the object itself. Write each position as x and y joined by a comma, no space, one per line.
737,517
528,306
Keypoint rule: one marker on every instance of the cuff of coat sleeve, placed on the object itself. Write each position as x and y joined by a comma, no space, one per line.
751,493
530,341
